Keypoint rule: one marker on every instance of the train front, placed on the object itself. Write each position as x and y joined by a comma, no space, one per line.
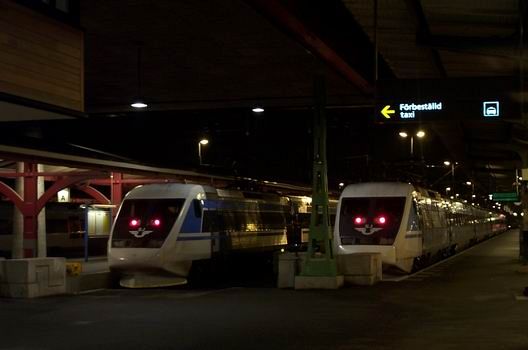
142,248
370,218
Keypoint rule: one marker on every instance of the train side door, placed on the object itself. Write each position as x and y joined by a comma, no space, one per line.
214,221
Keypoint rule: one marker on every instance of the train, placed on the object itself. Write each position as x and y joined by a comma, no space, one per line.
161,231
409,226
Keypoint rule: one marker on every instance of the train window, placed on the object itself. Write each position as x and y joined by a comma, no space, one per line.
426,216
435,216
147,235
209,221
412,224
371,232
273,220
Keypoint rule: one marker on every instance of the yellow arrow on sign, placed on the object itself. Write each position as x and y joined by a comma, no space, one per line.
386,111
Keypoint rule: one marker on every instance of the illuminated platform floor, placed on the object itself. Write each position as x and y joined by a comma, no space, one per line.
469,302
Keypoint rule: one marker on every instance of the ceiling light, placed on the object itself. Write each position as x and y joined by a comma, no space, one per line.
139,104
258,109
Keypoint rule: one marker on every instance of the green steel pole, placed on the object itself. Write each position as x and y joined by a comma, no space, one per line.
320,259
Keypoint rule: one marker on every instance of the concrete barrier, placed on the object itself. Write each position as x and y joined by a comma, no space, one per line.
357,269
290,269
360,268
34,277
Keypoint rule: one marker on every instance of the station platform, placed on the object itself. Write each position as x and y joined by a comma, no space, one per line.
94,275
470,301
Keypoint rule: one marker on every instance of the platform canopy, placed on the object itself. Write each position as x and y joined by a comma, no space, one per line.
203,66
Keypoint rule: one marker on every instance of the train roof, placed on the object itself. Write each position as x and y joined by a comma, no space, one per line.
178,190
378,189
169,190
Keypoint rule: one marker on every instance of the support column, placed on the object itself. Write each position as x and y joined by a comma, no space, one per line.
320,260
30,212
41,220
116,191
17,251
523,232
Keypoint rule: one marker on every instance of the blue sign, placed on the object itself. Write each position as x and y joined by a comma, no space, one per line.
490,109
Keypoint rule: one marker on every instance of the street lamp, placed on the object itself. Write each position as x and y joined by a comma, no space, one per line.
448,163
202,142
420,134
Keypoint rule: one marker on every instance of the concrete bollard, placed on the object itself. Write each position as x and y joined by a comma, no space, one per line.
288,269
360,268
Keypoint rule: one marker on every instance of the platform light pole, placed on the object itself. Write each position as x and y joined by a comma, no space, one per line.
452,165
202,142
420,134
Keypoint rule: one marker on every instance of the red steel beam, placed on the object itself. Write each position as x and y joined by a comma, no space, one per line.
12,195
280,14
138,181
94,193
92,174
56,187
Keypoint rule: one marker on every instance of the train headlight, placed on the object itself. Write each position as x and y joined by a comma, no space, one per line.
358,220
382,220
134,222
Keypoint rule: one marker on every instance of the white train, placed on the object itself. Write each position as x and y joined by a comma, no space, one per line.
162,229
409,226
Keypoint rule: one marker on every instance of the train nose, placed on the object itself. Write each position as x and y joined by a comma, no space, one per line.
129,259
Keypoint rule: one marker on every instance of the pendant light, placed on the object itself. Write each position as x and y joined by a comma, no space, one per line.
138,101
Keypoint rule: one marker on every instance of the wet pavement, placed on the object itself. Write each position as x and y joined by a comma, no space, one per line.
472,300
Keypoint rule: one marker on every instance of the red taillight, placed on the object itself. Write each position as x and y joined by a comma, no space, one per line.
382,220
156,222
134,222
358,220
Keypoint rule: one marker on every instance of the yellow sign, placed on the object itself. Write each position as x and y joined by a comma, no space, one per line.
386,111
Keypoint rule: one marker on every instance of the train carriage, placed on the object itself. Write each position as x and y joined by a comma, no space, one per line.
162,229
409,226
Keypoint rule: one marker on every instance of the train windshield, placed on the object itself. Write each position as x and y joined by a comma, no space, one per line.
370,221
145,223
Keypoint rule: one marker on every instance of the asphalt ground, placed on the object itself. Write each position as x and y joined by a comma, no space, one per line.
470,301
